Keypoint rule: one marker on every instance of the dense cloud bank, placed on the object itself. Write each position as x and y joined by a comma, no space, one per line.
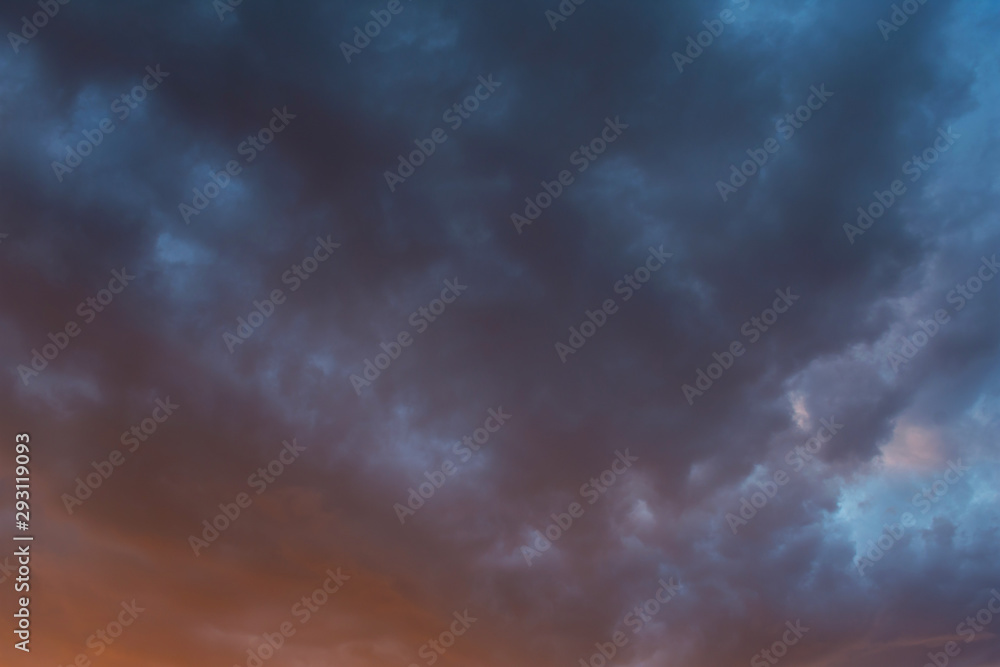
661,333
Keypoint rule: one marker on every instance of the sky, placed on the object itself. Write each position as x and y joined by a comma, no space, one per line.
407,333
